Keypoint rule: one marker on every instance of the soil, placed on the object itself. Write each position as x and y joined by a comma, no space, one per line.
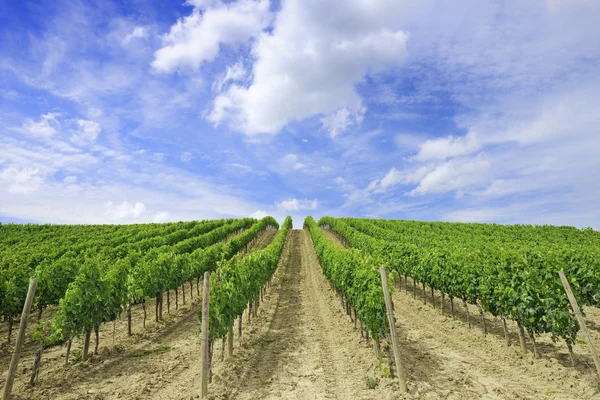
445,359
302,345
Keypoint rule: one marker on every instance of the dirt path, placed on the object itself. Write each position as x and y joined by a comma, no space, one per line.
264,238
334,237
302,346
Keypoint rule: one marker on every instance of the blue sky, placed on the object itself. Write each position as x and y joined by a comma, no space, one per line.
139,111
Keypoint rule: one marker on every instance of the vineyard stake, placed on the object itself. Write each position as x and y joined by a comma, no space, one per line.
86,345
97,331
442,304
581,320
522,338
68,352
230,343
129,318
240,328
12,369
393,334
506,332
570,347
204,341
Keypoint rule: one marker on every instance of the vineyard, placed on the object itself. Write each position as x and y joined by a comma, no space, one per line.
300,313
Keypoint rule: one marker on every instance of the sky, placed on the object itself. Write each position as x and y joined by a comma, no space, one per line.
150,111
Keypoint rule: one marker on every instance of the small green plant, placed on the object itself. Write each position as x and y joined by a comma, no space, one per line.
385,369
371,382
77,356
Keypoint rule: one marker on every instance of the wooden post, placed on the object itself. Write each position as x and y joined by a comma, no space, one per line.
506,337
204,341
393,334
129,318
581,321
12,369
522,338
86,345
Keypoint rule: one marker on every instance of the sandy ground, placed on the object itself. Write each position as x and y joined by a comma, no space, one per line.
302,345
445,359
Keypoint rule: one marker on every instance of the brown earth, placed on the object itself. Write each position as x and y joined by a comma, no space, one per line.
445,359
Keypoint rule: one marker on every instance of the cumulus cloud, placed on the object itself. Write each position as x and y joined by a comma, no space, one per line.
310,63
338,121
139,32
392,178
21,181
291,162
444,148
45,128
294,204
234,72
124,210
86,133
197,38
161,217
455,174
259,214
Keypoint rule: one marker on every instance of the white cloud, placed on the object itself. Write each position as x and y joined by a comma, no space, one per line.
408,142
161,217
310,63
294,204
87,133
392,178
21,181
197,38
442,149
45,128
455,174
242,167
139,32
259,214
291,162
338,121
234,72
124,210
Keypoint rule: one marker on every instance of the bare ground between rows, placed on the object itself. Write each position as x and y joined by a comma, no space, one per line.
134,367
446,359
302,345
